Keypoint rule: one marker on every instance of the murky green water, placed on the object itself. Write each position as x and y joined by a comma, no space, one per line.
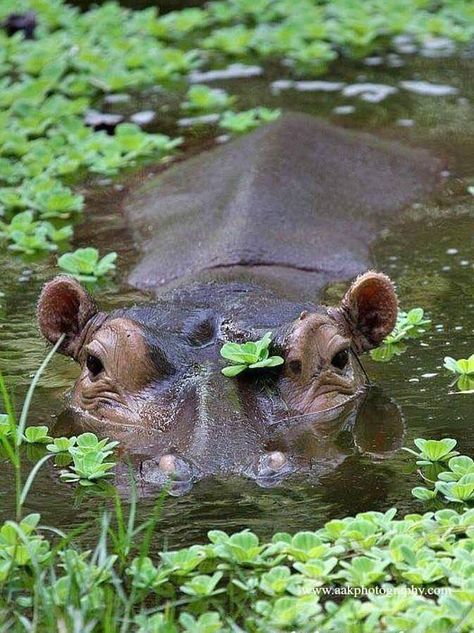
429,253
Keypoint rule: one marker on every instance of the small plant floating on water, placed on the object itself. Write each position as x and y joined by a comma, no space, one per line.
241,122
61,444
433,450
250,355
449,473
37,435
201,98
88,454
464,369
411,324
29,236
85,265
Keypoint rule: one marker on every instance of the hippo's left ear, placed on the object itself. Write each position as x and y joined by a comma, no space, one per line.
368,310
65,307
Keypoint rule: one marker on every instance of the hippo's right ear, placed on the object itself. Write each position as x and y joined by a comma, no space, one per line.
64,307
369,310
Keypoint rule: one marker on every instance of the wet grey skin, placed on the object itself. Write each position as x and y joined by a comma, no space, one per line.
234,243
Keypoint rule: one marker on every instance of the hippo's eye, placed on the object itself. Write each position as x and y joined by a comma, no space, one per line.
340,359
94,365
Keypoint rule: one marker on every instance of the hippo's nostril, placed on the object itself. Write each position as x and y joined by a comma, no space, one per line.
270,468
167,464
276,460
200,329
170,470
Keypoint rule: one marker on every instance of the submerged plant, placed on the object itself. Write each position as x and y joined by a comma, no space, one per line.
250,355
84,264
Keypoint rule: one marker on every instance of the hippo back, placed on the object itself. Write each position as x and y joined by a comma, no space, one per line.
294,204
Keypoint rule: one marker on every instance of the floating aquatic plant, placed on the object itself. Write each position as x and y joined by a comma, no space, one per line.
433,450
85,264
37,435
453,477
29,236
464,369
200,98
250,355
409,325
88,460
241,122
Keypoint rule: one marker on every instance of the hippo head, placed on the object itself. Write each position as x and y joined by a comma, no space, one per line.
156,368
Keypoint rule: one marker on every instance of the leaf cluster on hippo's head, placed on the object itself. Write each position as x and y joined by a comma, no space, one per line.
249,355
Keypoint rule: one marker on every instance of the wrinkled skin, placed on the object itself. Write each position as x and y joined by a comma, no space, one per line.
230,242
152,374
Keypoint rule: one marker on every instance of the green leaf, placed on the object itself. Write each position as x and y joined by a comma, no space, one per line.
37,435
465,384
249,355
233,370
87,441
451,364
415,315
436,450
273,361
61,444
84,264
424,494
411,324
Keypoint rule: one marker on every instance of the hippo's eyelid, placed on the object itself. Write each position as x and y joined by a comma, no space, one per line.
94,359
96,349
337,343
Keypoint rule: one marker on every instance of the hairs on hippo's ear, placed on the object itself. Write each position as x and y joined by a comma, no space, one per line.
369,309
64,307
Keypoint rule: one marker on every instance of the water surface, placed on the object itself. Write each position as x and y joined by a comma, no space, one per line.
429,252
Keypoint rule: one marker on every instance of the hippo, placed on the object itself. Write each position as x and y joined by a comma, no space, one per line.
234,243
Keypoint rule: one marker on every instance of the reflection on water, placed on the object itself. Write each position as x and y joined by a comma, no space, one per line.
430,255
308,447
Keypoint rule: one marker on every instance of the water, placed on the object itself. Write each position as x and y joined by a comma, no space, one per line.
430,255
